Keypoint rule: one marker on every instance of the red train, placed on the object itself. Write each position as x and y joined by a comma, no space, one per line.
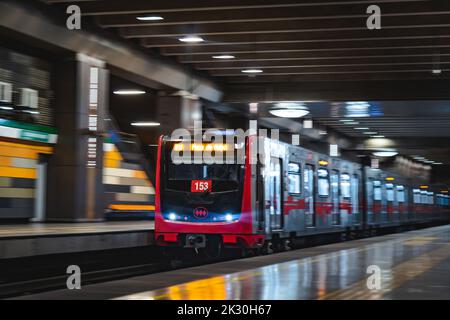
291,193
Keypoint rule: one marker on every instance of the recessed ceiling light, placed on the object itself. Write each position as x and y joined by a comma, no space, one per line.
191,39
385,153
252,71
145,124
129,92
361,128
370,132
150,18
224,56
346,120
436,71
289,110
378,136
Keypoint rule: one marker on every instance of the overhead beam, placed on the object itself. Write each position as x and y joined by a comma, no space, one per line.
323,13
40,27
213,32
359,90
342,46
319,36
202,60
444,59
112,7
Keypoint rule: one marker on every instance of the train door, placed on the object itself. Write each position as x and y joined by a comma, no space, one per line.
355,199
273,194
346,199
308,187
335,210
377,201
369,201
390,199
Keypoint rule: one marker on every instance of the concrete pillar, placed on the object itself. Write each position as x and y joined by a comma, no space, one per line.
75,186
178,111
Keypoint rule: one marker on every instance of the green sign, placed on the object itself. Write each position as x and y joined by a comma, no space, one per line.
34,136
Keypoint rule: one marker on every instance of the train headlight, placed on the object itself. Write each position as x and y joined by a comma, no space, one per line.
172,216
228,217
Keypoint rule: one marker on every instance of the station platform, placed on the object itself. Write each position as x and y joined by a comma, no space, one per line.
413,265
36,239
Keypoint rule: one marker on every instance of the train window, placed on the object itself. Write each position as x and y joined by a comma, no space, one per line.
377,190
323,183
423,197
416,196
401,193
355,194
345,186
430,197
390,192
294,178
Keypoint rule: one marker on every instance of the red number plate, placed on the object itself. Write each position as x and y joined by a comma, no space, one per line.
201,186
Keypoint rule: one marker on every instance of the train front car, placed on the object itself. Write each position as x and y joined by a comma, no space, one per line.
202,205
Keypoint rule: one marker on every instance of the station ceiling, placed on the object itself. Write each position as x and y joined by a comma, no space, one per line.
320,52
289,40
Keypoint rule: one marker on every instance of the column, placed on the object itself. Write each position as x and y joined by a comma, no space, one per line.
75,176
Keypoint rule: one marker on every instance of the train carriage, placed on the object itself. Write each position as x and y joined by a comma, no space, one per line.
289,192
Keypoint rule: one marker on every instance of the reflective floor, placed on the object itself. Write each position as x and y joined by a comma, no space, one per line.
38,229
413,265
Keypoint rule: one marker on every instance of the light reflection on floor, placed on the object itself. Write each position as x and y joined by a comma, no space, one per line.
336,275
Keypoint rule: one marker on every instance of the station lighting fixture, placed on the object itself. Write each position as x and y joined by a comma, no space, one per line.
370,132
346,120
361,128
191,39
438,163
289,110
379,136
385,153
436,71
129,92
253,107
145,124
251,71
224,56
150,18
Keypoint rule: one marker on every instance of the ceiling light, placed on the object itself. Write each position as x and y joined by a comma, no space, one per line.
191,39
361,128
129,92
252,71
438,163
378,136
224,56
370,132
150,18
289,110
436,71
346,120
385,153
145,124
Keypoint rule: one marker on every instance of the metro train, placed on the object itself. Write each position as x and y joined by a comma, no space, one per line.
290,193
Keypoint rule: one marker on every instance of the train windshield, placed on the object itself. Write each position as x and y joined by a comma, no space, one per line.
227,172
223,176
